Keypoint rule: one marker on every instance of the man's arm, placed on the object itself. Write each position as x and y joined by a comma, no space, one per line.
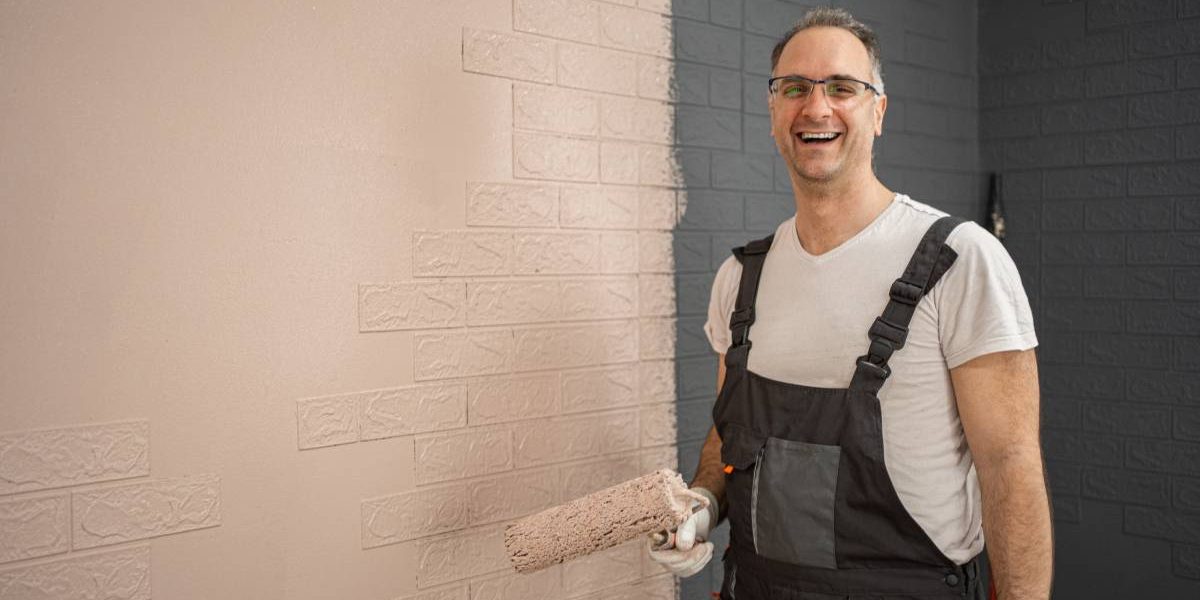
710,474
997,398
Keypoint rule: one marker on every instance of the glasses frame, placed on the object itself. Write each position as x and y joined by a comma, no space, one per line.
816,82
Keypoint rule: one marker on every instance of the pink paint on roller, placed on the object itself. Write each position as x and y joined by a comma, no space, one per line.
655,502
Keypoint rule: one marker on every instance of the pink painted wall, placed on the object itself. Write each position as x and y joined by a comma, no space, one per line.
306,300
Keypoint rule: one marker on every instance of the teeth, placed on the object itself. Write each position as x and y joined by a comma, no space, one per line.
826,135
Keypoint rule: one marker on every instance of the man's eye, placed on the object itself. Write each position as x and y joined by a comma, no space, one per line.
842,88
794,90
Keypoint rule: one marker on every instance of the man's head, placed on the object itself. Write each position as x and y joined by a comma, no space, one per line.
825,130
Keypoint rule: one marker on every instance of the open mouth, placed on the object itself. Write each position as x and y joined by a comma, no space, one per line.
818,137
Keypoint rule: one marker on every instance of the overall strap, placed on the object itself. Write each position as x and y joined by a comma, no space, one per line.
751,256
929,262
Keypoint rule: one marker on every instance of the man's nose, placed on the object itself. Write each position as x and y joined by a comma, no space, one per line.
816,104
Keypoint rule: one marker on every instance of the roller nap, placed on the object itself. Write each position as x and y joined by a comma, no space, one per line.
600,520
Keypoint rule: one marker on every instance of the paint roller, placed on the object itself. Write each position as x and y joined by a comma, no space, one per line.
653,503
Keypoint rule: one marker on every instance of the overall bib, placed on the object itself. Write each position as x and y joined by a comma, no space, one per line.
812,511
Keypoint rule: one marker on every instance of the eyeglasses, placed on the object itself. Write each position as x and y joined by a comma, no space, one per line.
840,91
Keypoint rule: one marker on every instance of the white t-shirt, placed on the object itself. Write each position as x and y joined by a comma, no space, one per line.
812,317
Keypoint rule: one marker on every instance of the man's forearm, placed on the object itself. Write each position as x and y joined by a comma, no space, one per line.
1016,524
710,474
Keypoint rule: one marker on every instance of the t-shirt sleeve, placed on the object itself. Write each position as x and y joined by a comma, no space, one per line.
720,304
982,306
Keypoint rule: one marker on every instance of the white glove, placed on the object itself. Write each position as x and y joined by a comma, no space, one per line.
686,550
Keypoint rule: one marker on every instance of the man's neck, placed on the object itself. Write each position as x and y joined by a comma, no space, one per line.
827,216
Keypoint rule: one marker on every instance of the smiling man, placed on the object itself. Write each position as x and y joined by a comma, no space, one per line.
886,422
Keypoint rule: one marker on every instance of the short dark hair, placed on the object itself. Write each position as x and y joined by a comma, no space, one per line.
827,16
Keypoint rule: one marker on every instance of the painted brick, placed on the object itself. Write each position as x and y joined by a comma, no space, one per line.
552,157
736,171
582,478
710,127
458,353
546,583
1172,318
418,409
656,381
576,20
1185,561
1084,248
619,162
1091,50
1090,115
1042,152
1158,248
657,423
635,30
597,69
599,389
637,119
700,209
1166,457
656,208
565,438
52,458
1131,78
1163,386
538,348
655,78
556,253
1187,424
1162,524
461,253
665,7
656,296
725,88
1089,182
657,166
606,298
1123,282
1129,214
619,253
1110,13
1188,72
508,301
506,55
603,569
139,511
416,305
33,527
460,555
411,515
656,339
662,457
1086,382
444,457
1086,448
1045,87
116,575
454,592
726,12
708,44
1125,419
500,399
512,495
655,252
546,108
1185,493
661,587
511,205
327,421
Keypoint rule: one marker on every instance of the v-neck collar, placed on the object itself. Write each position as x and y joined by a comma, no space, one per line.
793,239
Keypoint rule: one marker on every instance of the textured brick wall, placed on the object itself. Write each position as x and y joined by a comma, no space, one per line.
735,185
1092,112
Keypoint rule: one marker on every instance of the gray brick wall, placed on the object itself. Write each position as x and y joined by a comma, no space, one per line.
736,188
1089,109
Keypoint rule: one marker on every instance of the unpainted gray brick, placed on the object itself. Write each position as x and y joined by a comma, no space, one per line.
708,44
772,18
1020,57
1126,487
692,252
1083,248
1083,315
1131,146
1187,106
1185,493
1129,214
1141,420
1188,72
726,12
1187,214
1084,382
1061,413
1009,123
1187,142
1164,249
1185,561
700,209
725,88
1172,318
691,85
1044,87
697,376
1067,509
758,57
1089,115
1187,424
756,135
1181,458
1091,50
935,53
1148,110
764,212
1131,78
1187,353
1165,39
1126,282
738,171
1088,182
916,83
1187,284
1063,216
1043,152
1127,350
1111,13
1162,524
1163,386
691,9
1085,448
1188,8
709,127
1061,349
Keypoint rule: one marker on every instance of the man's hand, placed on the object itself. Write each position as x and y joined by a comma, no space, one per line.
687,550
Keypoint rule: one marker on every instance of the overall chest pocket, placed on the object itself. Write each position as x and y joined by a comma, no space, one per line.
792,502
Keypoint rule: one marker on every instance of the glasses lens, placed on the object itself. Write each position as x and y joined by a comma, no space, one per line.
793,87
844,89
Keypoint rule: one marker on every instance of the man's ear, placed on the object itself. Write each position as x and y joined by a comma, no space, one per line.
880,108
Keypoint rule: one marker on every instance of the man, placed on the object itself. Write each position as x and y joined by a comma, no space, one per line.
839,478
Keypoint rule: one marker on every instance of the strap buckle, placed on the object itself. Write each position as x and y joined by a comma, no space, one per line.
881,371
879,352
905,292
882,328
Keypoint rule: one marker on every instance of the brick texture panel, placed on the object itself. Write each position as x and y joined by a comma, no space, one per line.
114,575
52,458
143,510
33,527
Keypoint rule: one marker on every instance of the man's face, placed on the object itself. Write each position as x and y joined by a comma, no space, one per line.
824,53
